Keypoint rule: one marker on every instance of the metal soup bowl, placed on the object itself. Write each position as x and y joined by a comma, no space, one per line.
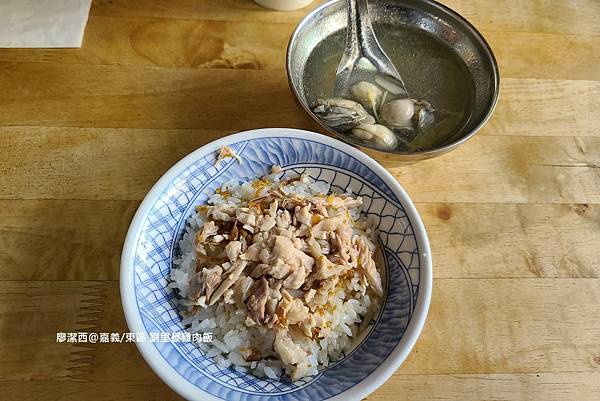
311,64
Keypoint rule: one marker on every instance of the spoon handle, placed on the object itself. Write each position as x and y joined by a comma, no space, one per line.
362,42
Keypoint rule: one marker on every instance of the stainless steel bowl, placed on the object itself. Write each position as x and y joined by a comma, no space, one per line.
404,28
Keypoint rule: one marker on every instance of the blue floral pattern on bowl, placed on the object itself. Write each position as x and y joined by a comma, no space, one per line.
163,226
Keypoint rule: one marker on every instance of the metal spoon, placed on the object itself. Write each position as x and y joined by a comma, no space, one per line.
363,58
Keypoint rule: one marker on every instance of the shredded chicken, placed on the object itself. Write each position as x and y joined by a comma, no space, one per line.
252,253
233,250
325,268
241,288
258,299
284,219
221,216
303,214
226,152
284,249
280,257
366,263
251,354
298,312
267,223
295,279
247,218
208,230
238,267
205,282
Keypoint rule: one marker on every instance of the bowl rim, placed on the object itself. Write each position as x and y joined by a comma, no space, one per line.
419,153
130,308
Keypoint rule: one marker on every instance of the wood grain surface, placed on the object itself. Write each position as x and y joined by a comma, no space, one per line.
513,215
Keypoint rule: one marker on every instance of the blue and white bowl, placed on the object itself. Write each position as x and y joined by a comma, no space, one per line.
151,245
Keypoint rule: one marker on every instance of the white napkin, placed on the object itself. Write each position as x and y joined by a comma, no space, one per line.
43,23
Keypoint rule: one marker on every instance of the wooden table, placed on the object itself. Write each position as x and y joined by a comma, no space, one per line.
513,215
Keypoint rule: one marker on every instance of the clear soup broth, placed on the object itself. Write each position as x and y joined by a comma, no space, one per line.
431,71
